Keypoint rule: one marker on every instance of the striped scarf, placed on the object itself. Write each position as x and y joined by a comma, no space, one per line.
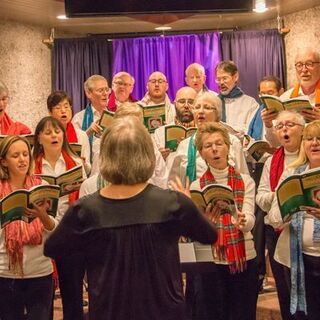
230,246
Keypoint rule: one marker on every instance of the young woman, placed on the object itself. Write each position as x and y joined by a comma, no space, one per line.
59,105
129,232
7,125
53,156
230,291
298,246
25,273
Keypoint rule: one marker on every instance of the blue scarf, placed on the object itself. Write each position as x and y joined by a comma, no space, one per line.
87,120
191,170
256,125
298,292
234,93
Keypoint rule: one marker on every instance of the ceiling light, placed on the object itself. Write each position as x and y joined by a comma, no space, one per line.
260,6
162,28
62,17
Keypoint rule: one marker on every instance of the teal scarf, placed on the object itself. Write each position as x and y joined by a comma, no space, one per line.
191,170
234,93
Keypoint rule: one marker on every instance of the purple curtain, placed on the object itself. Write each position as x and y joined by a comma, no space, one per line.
257,54
77,59
170,55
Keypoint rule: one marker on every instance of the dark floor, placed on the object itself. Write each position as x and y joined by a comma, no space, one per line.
267,309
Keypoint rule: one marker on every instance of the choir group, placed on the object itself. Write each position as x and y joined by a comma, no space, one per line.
120,230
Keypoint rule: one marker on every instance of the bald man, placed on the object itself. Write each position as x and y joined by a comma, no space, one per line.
157,87
183,102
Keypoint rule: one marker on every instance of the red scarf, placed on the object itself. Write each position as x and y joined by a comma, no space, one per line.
112,106
9,127
19,233
276,167
70,163
295,92
230,244
71,133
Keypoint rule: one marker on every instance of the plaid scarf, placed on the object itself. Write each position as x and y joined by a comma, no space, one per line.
230,246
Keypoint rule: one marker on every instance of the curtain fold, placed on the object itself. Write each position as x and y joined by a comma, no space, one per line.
257,54
170,55
75,60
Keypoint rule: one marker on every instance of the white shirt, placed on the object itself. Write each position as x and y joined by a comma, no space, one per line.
180,162
282,253
240,111
265,195
286,95
85,148
221,176
60,168
77,121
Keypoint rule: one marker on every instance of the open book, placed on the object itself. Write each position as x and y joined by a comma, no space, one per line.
154,116
76,148
216,194
195,252
28,137
258,148
298,191
68,181
106,119
12,207
175,133
294,104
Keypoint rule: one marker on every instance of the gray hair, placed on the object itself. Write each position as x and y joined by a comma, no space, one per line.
214,100
298,117
90,82
126,152
121,74
195,66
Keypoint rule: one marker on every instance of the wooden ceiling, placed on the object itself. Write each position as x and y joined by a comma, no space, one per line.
44,12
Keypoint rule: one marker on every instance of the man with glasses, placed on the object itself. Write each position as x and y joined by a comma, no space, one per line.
97,91
183,102
307,65
122,87
196,78
157,87
238,109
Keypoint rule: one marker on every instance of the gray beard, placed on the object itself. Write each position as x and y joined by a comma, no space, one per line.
183,118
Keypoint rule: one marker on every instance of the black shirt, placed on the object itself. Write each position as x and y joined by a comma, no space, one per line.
131,251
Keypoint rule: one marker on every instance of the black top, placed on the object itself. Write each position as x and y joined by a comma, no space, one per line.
131,251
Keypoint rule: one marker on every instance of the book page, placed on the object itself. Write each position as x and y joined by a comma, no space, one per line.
198,199
186,252
173,135
290,197
203,252
311,187
76,148
272,103
297,105
154,116
13,207
106,119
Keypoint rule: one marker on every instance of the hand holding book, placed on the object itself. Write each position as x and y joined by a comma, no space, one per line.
314,211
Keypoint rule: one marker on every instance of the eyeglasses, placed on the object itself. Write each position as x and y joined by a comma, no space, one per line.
311,139
307,64
288,124
120,83
223,79
102,90
189,102
160,81
206,107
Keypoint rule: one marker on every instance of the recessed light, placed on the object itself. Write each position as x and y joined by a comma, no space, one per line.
260,6
162,28
62,17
